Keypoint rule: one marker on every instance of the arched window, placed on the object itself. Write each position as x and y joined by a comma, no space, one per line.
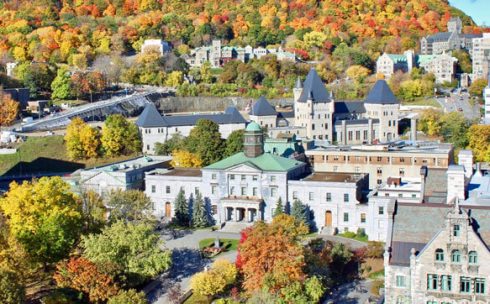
439,255
455,256
473,257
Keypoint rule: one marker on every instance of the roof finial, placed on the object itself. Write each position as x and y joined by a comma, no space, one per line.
298,85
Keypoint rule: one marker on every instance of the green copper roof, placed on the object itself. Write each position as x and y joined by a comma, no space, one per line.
423,59
397,58
264,162
253,127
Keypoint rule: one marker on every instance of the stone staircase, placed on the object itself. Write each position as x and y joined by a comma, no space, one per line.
235,227
327,231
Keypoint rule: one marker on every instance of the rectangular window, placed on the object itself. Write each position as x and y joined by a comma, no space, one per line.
232,176
213,176
310,196
255,177
167,189
244,177
346,197
329,197
232,190
381,210
400,281
402,172
346,217
431,282
295,194
273,192
244,191
153,188
254,191
379,170
363,217
213,190
479,286
273,178
446,281
465,284
456,231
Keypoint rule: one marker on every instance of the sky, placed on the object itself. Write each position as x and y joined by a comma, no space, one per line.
479,10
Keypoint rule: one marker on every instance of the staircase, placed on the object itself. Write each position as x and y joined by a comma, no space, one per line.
235,227
327,231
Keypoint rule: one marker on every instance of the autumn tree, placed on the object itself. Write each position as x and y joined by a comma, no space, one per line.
210,283
234,143
130,296
128,205
429,122
84,276
199,213
477,86
11,290
175,142
44,216
185,159
479,142
82,141
61,86
93,210
205,140
130,251
357,73
120,136
181,212
9,109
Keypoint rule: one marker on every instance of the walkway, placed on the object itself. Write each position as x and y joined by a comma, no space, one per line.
351,293
186,261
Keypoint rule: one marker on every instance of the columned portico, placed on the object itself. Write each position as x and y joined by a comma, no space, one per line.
242,210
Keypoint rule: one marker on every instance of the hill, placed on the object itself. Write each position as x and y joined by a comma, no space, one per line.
60,30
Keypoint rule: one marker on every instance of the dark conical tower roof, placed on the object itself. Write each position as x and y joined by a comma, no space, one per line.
381,94
262,107
314,87
150,117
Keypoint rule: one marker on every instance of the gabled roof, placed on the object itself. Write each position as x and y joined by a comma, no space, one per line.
314,88
264,162
381,94
262,108
397,58
150,117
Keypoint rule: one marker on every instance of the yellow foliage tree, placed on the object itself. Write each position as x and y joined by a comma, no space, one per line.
429,122
357,72
314,39
211,282
9,109
185,159
479,142
174,79
82,141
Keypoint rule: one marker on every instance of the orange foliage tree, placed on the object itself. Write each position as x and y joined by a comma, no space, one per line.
9,109
83,275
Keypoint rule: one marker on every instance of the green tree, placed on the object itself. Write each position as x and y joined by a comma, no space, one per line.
454,128
299,211
120,136
476,88
464,61
61,86
181,209
93,210
175,142
130,296
199,213
128,205
309,291
205,140
44,217
279,208
205,72
11,290
130,251
234,143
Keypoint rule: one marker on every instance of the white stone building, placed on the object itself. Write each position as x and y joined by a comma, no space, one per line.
486,97
480,56
245,187
156,44
156,128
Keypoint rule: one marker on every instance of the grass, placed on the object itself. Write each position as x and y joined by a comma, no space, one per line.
47,154
228,244
354,236
422,102
197,299
72,103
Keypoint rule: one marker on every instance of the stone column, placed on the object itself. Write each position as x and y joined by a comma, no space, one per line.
370,131
344,133
237,214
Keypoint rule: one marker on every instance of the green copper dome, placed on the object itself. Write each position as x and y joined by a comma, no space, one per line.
253,127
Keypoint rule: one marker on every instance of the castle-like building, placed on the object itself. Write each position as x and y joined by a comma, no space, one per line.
318,117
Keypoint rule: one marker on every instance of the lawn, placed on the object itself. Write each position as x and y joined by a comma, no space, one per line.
47,154
197,299
422,102
228,244
354,236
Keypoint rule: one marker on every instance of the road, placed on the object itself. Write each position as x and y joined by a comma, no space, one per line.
351,293
460,103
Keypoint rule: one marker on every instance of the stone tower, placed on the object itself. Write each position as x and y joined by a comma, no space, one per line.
253,144
298,88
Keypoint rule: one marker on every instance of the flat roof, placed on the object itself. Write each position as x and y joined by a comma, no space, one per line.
131,164
336,177
193,172
438,148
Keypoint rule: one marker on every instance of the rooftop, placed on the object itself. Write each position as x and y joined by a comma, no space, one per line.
335,177
434,147
381,94
262,107
190,172
131,164
314,89
264,162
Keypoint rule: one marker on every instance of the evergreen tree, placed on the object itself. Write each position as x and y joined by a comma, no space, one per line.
279,208
181,209
298,211
199,214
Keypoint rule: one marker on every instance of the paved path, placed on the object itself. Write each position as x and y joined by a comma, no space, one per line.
351,293
353,244
186,261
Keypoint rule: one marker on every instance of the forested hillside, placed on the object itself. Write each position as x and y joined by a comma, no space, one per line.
59,30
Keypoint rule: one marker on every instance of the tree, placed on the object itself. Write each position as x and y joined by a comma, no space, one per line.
358,73
454,127
93,210
128,205
215,280
185,159
130,251
119,136
61,86
234,143
9,109
476,88
479,142
199,213
205,72
270,257
82,141
299,212
175,142
279,208
429,122
128,297
181,209
464,61
205,140
11,290
44,217
83,275
174,79
309,291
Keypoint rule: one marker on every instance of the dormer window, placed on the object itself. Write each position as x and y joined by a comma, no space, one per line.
473,257
439,255
456,230
456,256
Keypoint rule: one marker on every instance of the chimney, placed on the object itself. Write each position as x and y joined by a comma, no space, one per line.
423,175
455,183
465,159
